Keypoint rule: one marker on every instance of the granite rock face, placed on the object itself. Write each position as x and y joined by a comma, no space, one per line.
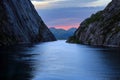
20,23
102,28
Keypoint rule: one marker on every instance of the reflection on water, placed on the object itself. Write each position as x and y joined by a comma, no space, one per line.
16,63
59,61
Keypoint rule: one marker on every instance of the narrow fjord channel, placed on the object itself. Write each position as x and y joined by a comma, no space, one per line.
60,61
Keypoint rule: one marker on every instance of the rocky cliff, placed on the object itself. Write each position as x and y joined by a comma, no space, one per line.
102,28
20,23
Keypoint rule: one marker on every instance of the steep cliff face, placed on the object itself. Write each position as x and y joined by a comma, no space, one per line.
102,28
20,23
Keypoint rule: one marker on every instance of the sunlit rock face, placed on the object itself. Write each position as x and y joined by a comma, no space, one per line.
102,28
20,23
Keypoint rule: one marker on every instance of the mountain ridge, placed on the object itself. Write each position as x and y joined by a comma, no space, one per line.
102,28
61,33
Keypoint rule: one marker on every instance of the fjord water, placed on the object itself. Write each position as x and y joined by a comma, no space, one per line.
59,61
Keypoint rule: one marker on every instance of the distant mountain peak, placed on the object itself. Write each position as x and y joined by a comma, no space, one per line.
61,33
72,28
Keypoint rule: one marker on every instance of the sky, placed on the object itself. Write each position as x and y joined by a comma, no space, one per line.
66,14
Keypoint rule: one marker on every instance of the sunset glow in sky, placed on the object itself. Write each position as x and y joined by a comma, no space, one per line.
67,13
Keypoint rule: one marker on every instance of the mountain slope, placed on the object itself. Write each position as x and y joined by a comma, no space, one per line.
20,23
62,34
102,28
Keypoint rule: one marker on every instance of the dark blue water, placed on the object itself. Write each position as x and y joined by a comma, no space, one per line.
59,61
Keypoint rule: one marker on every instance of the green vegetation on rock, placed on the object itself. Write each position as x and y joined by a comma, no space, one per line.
93,18
73,39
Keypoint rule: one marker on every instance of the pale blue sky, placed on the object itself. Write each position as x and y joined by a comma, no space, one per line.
69,3
67,13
